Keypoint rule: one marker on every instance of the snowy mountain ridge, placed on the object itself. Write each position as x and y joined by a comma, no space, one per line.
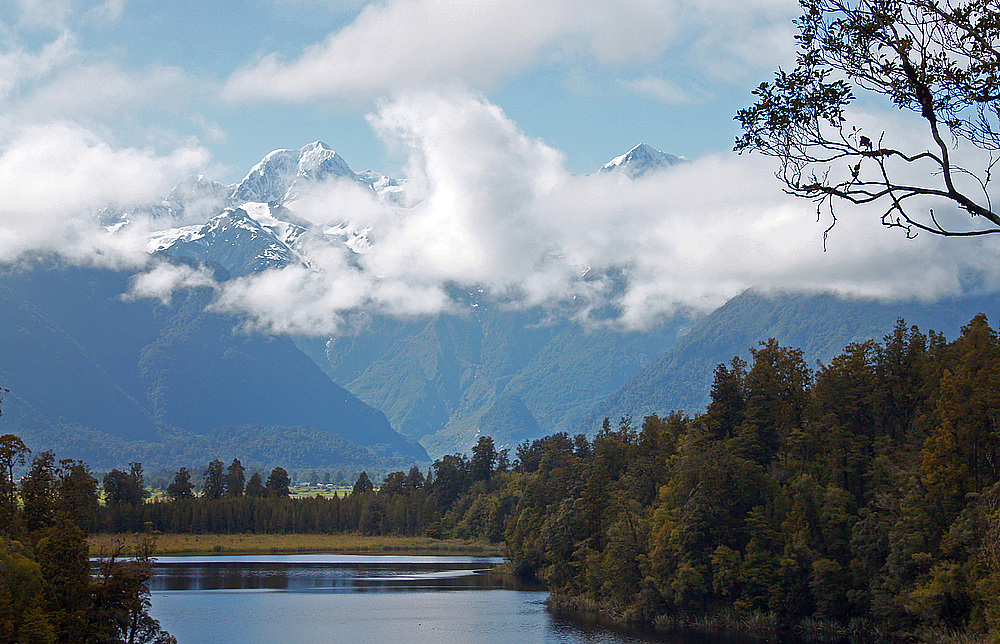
252,225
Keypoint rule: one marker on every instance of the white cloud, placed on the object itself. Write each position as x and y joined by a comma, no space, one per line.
109,10
45,13
163,279
487,234
213,132
499,211
18,66
55,176
659,88
57,14
406,44
105,89
399,45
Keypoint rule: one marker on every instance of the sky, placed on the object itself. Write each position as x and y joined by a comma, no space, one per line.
245,77
496,112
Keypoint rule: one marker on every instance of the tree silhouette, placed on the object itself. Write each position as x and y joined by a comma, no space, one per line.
214,480
937,59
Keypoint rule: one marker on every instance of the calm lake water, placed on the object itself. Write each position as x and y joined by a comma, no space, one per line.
360,599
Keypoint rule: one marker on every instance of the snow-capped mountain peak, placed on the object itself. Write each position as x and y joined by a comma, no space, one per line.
274,178
641,160
317,161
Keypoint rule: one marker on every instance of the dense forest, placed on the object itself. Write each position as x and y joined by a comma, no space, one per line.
862,496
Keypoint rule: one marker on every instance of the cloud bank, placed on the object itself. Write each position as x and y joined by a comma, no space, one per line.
401,45
55,176
497,210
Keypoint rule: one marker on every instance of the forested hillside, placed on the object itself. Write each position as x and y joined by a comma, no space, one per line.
445,380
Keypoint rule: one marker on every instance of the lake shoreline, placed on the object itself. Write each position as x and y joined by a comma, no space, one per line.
758,626
246,544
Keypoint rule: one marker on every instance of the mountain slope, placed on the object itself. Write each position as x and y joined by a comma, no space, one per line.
443,380
234,240
820,325
79,358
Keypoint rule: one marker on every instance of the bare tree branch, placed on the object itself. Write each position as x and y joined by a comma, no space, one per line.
938,59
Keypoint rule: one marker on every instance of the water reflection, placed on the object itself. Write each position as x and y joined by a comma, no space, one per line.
366,598
328,573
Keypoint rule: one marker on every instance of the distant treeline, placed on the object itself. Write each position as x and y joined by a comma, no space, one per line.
406,503
859,496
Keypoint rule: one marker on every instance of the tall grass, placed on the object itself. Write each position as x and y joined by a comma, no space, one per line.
176,544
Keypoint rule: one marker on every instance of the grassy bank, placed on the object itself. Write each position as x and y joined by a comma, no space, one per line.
187,544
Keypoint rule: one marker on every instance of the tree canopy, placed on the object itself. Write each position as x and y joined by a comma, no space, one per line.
938,59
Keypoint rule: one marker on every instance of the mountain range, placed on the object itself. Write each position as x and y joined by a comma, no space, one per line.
111,379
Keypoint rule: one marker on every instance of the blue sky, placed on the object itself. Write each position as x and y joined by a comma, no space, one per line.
491,110
589,78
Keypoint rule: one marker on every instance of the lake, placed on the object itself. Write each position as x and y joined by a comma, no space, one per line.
364,599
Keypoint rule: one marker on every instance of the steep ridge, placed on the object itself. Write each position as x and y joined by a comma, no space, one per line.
820,325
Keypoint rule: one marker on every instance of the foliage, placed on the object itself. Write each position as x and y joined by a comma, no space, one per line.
47,594
181,488
235,480
13,452
277,483
255,487
125,488
862,493
938,59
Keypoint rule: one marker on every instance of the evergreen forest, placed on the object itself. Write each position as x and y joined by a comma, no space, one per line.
859,496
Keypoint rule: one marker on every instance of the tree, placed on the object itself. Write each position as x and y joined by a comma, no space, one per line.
235,479
12,453
393,483
255,487
22,592
725,412
76,493
451,477
278,482
414,479
363,485
121,597
125,488
484,459
213,484
181,488
939,59
38,492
